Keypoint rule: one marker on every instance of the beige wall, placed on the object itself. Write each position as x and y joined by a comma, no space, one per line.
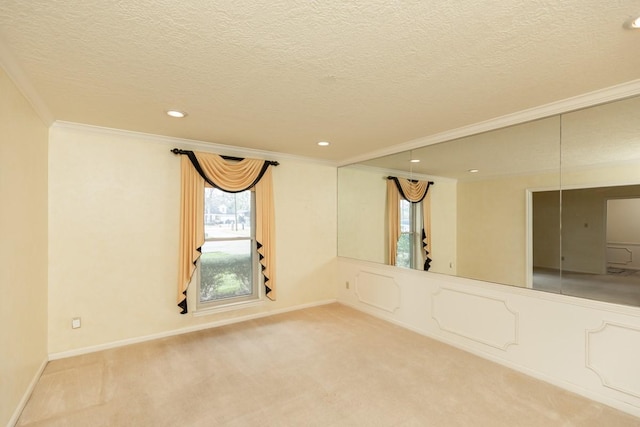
362,197
623,219
583,234
623,232
23,247
492,223
546,229
492,227
584,219
443,226
583,231
114,213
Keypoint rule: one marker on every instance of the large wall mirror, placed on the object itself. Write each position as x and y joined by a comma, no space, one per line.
551,204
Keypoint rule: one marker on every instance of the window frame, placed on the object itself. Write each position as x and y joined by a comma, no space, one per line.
414,234
256,296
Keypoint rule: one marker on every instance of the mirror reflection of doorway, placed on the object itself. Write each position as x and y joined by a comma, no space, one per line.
598,256
623,237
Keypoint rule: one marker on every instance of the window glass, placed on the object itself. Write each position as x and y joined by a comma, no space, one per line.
227,265
408,253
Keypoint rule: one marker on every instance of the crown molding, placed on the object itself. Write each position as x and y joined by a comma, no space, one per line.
191,144
601,96
400,174
16,74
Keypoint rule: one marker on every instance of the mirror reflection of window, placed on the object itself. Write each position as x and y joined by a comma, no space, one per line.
408,253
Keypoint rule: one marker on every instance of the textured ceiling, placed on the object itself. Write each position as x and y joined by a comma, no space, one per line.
281,75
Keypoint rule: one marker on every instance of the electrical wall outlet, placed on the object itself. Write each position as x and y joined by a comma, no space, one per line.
75,323
347,285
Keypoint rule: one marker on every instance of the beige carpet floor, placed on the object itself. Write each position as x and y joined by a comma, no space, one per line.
324,366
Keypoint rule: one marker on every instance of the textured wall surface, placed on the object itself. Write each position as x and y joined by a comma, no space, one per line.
23,248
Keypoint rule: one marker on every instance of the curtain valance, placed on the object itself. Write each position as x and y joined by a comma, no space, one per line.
411,190
232,175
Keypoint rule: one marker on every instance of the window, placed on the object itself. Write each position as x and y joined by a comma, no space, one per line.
228,272
409,242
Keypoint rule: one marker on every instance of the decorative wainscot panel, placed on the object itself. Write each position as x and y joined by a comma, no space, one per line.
618,370
478,318
378,291
625,256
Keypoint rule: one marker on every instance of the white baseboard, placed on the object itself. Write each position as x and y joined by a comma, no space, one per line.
27,394
218,323
589,394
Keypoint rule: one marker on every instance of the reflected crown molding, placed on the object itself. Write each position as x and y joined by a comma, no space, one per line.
589,99
401,174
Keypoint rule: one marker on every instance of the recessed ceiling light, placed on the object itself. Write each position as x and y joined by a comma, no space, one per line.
176,113
633,23
415,160
473,171
323,143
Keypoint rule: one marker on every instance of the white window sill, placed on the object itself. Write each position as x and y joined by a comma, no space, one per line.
227,307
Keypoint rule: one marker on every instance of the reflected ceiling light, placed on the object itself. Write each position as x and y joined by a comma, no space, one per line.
633,23
415,160
473,170
176,113
323,143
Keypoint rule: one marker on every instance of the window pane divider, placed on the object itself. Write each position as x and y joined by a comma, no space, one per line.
226,239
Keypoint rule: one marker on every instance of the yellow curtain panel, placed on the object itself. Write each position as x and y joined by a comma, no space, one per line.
393,221
426,231
199,169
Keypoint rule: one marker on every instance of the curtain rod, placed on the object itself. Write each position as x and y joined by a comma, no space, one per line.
179,151
412,180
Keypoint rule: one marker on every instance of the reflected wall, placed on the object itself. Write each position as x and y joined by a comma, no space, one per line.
478,219
362,229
